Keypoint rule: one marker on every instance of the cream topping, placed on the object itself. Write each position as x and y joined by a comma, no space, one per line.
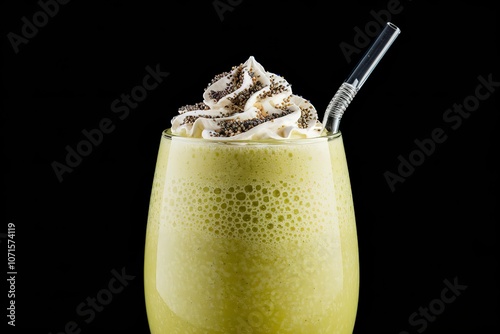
248,103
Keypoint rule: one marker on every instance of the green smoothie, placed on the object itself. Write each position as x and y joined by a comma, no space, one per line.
251,237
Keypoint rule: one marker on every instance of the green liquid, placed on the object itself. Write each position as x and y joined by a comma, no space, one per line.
251,239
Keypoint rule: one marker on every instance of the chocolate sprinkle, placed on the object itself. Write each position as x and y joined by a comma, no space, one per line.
193,107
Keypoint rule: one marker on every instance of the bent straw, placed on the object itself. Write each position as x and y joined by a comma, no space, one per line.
349,88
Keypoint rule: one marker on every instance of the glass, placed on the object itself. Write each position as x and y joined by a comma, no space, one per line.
251,237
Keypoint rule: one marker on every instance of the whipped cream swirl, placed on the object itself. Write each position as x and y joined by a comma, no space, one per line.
248,103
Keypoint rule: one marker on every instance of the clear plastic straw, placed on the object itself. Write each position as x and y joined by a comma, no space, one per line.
357,78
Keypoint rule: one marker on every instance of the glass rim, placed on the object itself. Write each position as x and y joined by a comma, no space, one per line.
167,134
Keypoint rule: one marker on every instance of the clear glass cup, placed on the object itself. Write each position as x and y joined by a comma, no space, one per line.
251,237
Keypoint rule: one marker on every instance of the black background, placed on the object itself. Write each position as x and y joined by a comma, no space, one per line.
439,224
